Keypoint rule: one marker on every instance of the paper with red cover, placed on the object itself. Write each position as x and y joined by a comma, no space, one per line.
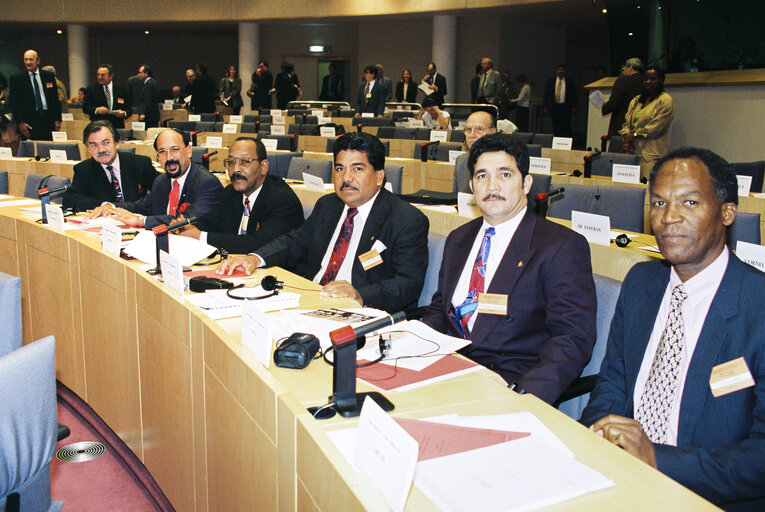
395,378
440,439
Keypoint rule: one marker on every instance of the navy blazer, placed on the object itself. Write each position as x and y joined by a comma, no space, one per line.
277,210
200,194
393,285
375,104
21,100
90,186
546,338
720,451
95,97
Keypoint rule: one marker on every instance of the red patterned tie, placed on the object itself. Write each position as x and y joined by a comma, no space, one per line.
466,310
245,217
341,247
172,202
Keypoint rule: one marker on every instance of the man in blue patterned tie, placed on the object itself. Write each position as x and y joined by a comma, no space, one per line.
518,286
682,386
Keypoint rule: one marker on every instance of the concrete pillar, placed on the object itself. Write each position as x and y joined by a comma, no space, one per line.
249,55
445,52
77,41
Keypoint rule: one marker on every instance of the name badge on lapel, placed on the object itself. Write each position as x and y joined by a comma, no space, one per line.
49,85
120,101
729,377
492,304
372,258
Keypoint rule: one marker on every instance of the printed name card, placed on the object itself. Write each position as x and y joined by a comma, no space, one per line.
438,135
270,144
167,106
317,113
562,143
389,187
624,173
278,129
169,102
6,154
195,117
595,228
235,119
313,182
138,126
214,142
327,131
278,119
59,137
454,154
55,217
744,184
729,377
367,114
323,120
752,254
67,116
111,239
466,205
172,272
416,123
257,331
57,155
229,128
539,165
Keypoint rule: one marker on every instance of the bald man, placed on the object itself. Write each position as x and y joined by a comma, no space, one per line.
477,125
34,100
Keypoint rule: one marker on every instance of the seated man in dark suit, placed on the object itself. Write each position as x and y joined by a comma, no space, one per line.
109,176
107,101
518,286
371,97
254,209
682,386
361,242
184,189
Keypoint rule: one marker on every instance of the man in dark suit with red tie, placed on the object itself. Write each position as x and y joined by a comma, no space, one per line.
33,100
517,285
107,101
560,101
371,97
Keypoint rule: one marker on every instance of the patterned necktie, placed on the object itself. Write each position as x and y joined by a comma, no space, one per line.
558,91
172,201
341,247
483,85
366,93
115,184
245,217
108,97
38,98
477,281
661,386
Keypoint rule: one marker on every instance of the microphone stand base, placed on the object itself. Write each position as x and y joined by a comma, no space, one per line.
355,410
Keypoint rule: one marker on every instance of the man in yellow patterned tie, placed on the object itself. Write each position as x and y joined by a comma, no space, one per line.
560,101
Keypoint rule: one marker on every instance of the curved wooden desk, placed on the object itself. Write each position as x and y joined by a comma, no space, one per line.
217,430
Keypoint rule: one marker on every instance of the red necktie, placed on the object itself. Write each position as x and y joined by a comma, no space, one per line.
172,202
341,247
115,184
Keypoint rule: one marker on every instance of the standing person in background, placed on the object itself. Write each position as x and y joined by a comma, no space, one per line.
203,91
260,90
60,87
187,89
488,86
286,86
107,101
522,103
134,87
474,82
436,82
9,138
385,81
151,98
231,89
505,94
626,87
33,100
332,86
371,95
406,90
560,101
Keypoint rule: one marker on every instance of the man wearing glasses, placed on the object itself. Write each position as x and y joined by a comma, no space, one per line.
477,125
254,209
185,189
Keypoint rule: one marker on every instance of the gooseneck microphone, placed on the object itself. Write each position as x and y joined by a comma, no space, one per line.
348,333
547,195
47,191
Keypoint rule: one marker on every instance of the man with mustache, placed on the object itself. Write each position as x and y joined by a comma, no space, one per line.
184,189
254,209
109,176
518,286
361,242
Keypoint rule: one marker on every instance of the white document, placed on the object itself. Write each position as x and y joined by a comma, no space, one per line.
229,128
214,142
57,155
216,304
624,173
138,126
313,182
195,117
55,217
235,119
751,253
20,202
270,144
66,116
595,228
59,136
278,129
596,97
298,321
187,99
539,165
5,154
562,143
172,272
187,250
278,119
386,453
466,205
454,154
327,131
257,331
438,135
424,87
111,239
744,184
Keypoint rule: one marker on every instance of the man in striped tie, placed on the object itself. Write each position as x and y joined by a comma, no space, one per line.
518,286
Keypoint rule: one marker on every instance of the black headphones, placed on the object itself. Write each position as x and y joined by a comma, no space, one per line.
269,284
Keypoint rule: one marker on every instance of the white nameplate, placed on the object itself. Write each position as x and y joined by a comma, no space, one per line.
167,106
169,102
317,113
57,155
595,228
6,154
66,116
386,453
257,331
624,173
229,128
278,129
461,125
416,123
367,114
59,137
195,117
751,253
55,217
466,205
111,239
235,119
278,119
438,135
327,131
172,272
214,142
138,126
562,143
454,154
323,120
270,144
313,182
744,184
539,165
389,188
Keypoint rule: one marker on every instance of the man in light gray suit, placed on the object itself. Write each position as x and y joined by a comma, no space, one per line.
489,84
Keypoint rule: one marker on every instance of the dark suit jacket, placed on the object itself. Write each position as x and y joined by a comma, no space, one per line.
135,86
393,285
440,82
721,441
276,211
546,338
150,99
569,101
334,94
411,92
21,102
200,194
375,104
90,186
95,97
625,88
203,93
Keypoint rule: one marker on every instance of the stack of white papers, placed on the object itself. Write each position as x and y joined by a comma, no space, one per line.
216,304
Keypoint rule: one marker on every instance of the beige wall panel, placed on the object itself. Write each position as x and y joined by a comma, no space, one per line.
33,10
198,333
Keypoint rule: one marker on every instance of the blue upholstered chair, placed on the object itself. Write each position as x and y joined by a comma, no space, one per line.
745,228
393,176
603,164
314,166
26,149
127,149
331,145
3,182
196,154
279,163
534,149
543,139
125,134
439,152
386,132
210,117
401,132
37,181
625,205
284,142
72,149
188,126
435,253
10,313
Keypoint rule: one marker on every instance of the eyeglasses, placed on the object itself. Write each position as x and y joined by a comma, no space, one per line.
478,130
171,150
231,162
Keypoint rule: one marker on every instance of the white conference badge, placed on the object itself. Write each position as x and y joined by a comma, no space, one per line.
595,228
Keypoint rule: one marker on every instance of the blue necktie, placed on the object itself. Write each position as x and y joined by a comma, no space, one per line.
477,283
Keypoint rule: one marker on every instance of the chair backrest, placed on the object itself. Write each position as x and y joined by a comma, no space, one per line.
422,134
72,149
373,121
435,254
457,136
127,149
26,149
37,181
188,126
393,176
279,163
439,152
331,146
314,166
10,313
211,117
534,149
543,139
625,205
125,134
386,132
207,126
745,228
524,137
602,164
28,424
540,184
3,182
614,143
251,118
285,142
400,132
754,169
196,154
247,127
308,119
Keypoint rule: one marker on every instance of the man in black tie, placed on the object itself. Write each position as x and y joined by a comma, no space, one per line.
34,100
107,101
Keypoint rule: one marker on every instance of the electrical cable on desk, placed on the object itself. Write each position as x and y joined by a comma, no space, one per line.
323,407
221,252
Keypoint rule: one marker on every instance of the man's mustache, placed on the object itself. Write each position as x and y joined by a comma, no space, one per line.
494,196
347,185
